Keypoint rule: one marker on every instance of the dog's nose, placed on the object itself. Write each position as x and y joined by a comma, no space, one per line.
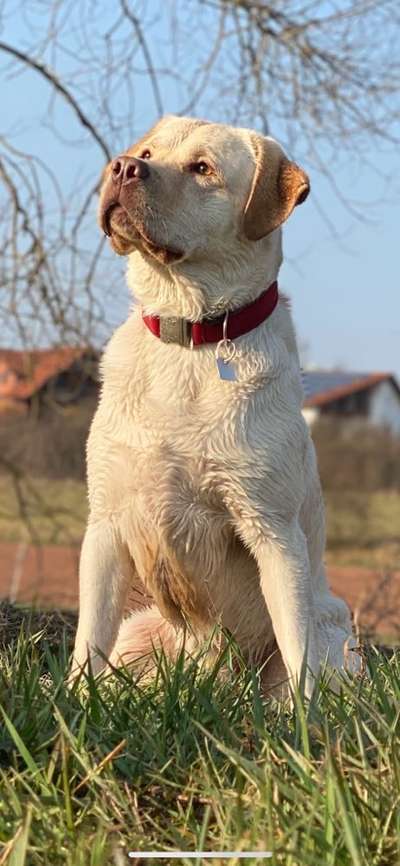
125,169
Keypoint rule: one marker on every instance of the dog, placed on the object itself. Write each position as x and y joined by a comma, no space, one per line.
202,475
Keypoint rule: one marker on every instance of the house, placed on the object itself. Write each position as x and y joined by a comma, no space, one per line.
61,375
372,397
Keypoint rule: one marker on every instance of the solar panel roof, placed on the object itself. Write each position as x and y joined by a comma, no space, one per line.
318,381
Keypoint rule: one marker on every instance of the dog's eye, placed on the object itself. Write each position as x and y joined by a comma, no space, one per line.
200,168
145,155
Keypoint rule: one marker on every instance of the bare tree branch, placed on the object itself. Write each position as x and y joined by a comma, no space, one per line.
146,53
60,88
323,78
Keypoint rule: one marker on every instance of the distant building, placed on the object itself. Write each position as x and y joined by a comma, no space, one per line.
61,375
374,397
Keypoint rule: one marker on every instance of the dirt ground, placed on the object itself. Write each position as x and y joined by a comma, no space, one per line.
48,577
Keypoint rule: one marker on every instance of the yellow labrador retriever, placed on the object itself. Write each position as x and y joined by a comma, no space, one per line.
202,474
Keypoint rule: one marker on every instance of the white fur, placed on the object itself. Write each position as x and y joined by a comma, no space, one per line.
207,489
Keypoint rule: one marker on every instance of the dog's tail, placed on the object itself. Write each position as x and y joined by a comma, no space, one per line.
144,632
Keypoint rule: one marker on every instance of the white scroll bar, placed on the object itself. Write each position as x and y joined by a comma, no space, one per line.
192,855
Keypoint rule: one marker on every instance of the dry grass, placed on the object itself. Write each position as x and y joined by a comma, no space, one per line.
42,510
363,529
48,624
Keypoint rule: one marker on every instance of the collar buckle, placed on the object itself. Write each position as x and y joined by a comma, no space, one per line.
173,329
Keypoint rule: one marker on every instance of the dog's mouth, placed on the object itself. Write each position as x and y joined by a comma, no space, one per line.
114,219
125,236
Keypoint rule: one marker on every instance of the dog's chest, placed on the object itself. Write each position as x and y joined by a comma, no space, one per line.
165,438
179,428
175,399
170,434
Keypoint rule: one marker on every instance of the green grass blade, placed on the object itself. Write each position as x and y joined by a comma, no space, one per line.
20,848
22,749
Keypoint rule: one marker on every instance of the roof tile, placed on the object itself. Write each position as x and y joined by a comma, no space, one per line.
24,372
325,386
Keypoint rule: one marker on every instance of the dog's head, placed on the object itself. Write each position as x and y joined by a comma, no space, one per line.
192,189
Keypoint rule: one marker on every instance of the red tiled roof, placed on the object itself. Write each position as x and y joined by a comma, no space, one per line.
24,372
366,382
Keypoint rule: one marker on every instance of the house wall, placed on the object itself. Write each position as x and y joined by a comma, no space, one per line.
352,405
310,415
384,407
8,382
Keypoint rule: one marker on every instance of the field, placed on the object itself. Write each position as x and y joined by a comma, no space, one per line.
192,760
42,510
363,529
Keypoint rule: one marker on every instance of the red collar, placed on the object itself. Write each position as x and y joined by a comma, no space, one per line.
171,329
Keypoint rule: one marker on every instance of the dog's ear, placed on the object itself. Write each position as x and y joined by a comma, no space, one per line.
278,186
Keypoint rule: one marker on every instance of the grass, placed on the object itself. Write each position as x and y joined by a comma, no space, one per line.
42,510
193,759
362,528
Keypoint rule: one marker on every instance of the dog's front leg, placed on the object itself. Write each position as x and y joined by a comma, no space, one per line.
284,569
105,572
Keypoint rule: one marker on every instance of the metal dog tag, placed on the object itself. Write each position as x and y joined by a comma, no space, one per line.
226,370
224,355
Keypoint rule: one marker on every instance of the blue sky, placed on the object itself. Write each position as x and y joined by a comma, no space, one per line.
346,290
343,278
